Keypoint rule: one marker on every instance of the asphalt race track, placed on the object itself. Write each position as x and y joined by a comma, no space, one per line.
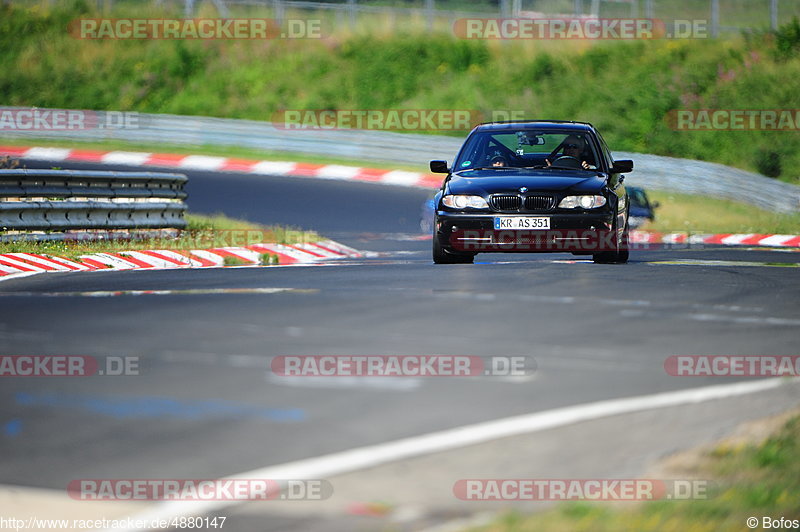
205,404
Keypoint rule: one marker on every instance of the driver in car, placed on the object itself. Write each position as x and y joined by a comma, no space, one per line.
574,146
499,160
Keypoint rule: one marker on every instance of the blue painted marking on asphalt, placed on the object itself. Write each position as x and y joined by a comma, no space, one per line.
155,407
13,428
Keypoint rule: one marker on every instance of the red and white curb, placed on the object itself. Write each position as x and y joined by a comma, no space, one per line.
224,164
723,239
682,239
346,173
307,253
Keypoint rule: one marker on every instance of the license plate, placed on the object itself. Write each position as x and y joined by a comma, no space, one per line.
521,222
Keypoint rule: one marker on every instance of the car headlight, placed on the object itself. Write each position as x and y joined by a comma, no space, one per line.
584,202
462,201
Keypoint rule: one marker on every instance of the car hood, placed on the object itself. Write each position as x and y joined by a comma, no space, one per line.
484,182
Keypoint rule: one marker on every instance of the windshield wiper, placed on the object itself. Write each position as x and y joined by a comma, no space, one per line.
490,168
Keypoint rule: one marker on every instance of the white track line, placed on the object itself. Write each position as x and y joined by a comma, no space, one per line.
374,455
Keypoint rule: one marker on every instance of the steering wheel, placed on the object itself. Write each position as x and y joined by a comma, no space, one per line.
567,161
512,159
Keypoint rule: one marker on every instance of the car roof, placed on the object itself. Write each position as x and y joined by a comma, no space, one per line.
536,124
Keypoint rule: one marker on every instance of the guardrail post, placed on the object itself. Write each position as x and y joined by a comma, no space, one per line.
715,18
351,13
429,14
505,8
221,8
773,14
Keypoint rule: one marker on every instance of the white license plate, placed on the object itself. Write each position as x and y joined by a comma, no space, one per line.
521,222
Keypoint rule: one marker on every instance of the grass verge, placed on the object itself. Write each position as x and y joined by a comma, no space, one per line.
203,232
702,214
752,480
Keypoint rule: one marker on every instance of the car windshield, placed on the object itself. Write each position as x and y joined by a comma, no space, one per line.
528,148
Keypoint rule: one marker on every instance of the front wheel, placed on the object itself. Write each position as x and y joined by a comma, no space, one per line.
442,256
620,255
624,252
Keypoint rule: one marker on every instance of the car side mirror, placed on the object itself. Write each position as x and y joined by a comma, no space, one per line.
655,205
439,167
622,166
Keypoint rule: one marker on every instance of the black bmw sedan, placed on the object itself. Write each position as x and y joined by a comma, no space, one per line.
534,186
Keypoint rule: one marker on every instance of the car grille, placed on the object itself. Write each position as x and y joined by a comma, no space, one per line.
506,202
539,203
513,202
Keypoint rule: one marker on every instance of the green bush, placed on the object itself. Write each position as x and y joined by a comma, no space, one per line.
787,39
768,162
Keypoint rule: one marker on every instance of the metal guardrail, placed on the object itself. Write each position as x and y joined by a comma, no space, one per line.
720,16
650,171
208,131
61,200
686,176
715,14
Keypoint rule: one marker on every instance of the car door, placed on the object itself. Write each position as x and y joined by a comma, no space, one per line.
615,183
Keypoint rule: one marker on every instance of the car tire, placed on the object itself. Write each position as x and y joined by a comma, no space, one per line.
620,256
604,257
624,252
442,256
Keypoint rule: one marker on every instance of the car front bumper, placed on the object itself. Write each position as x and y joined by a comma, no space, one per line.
568,232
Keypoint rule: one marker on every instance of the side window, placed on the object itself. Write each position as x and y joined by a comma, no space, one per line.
606,152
